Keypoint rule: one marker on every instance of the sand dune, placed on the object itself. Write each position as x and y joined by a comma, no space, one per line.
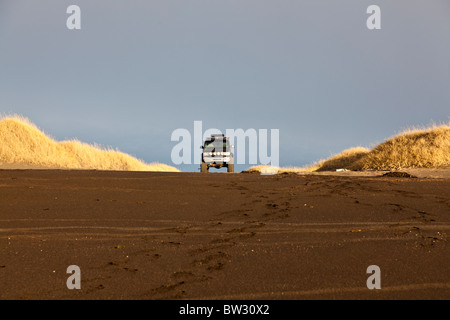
413,148
24,144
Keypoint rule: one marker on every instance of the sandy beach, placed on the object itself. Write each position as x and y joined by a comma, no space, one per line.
138,235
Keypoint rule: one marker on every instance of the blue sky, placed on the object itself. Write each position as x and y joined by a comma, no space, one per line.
138,70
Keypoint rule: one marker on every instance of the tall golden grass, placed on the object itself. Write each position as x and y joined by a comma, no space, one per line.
412,148
21,142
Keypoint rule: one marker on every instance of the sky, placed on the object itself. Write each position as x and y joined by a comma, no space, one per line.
138,70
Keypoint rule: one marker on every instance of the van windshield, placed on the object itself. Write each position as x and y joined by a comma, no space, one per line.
216,144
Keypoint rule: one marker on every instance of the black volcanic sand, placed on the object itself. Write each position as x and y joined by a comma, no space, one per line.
222,236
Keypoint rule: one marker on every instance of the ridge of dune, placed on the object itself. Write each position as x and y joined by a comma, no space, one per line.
23,143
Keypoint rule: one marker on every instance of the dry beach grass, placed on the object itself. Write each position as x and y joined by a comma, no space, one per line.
24,144
413,148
